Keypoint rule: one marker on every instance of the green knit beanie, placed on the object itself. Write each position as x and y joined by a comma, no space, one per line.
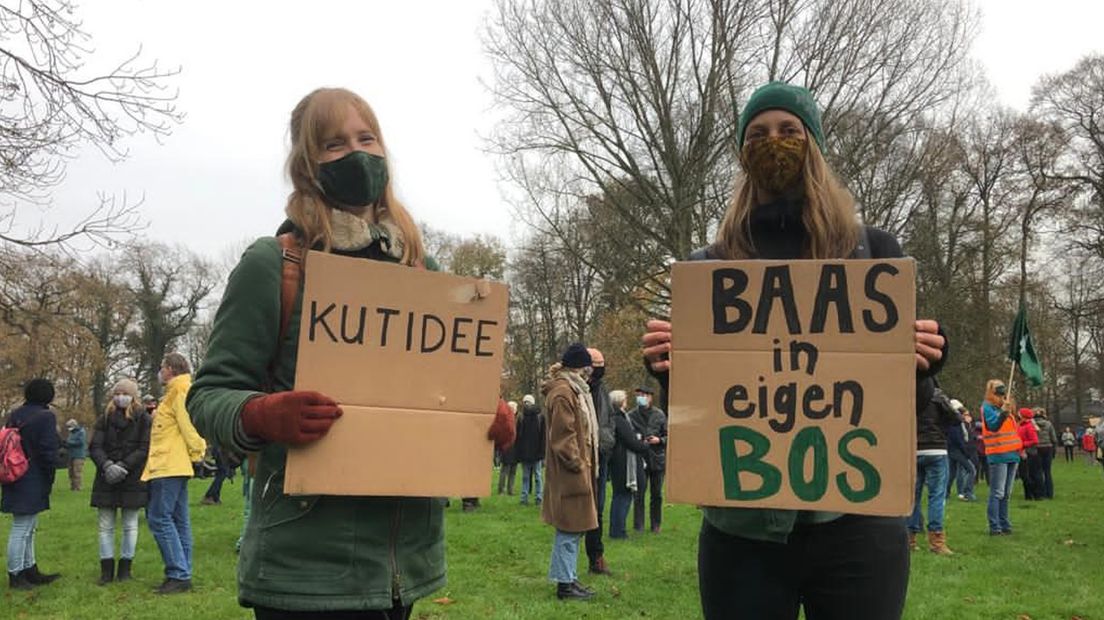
781,96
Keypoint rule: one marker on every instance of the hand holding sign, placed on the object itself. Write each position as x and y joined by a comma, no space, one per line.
294,418
657,345
929,344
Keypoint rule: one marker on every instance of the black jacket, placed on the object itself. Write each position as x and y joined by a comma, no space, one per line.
625,440
932,422
530,435
652,421
125,441
38,430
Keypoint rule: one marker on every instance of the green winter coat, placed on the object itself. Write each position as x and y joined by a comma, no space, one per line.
306,553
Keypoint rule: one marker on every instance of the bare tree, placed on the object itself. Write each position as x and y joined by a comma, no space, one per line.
1074,100
626,110
170,288
57,95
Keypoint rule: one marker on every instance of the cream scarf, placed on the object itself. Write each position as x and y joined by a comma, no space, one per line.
586,404
354,232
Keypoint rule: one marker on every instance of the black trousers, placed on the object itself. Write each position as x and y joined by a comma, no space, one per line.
398,612
853,568
593,540
652,481
1069,453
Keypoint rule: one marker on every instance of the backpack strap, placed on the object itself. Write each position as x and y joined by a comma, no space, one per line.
289,284
291,260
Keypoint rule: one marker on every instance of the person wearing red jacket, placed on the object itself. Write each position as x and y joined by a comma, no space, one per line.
1032,471
1088,444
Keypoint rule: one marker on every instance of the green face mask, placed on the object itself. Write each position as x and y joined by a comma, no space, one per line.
356,180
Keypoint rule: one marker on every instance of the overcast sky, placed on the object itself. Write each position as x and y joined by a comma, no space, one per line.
217,180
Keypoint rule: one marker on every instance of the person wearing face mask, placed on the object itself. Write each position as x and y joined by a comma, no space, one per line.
571,460
758,563
651,424
120,446
306,557
595,550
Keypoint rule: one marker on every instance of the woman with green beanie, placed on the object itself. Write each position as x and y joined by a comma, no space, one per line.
768,564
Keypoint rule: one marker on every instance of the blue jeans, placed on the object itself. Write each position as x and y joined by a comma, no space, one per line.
21,543
107,533
565,557
619,512
167,514
1002,477
931,472
962,473
528,472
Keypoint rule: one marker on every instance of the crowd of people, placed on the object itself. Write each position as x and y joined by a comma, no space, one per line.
1004,445
144,451
374,557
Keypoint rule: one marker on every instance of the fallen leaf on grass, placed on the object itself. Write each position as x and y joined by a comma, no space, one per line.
1023,617
444,600
615,591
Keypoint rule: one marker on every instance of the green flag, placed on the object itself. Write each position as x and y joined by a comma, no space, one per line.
1021,350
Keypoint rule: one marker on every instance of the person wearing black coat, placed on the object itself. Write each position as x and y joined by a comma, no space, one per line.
651,424
30,494
529,449
623,466
119,449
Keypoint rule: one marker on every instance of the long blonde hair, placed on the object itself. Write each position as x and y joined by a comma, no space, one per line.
313,120
829,215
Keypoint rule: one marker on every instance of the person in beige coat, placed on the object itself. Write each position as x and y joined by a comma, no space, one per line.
571,456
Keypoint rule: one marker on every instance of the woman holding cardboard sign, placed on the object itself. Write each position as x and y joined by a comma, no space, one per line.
316,556
756,563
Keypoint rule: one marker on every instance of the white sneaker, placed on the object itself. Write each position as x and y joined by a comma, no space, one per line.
962,497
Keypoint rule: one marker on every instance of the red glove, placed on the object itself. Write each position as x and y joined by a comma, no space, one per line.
290,417
502,430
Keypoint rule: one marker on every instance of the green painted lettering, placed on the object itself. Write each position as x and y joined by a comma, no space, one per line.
732,464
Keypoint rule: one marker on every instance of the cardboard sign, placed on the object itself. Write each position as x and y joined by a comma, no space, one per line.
415,360
793,385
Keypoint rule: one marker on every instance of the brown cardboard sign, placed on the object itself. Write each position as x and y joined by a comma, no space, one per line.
415,359
793,385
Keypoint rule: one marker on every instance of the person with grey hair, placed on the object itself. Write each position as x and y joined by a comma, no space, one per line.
174,447
627,450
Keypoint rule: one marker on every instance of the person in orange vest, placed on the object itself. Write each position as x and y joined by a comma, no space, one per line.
1002,452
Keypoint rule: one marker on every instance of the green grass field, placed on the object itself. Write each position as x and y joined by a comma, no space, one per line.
498,556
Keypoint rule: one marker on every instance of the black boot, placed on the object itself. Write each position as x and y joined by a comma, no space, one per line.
124,570
107,571
18,581
572,591
37,578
